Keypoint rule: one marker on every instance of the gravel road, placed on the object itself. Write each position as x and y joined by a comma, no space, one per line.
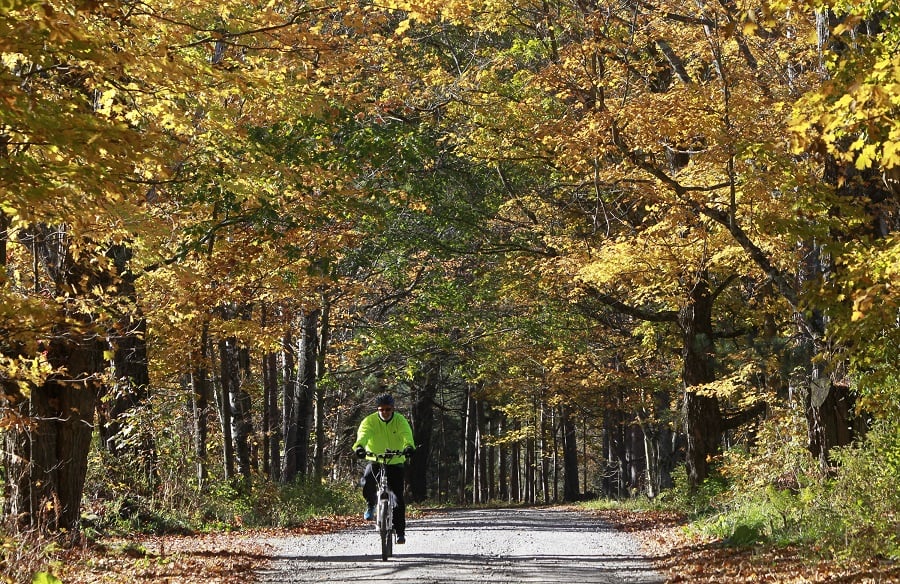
496,546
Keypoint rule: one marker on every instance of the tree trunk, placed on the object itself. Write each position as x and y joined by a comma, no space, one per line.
637,461
830,419
702,416
543,429
48,458
829,408
503,489
467,448
424,390
491,456
515,465
571,489
224,406
306,376
555,428
584,455
241,414
614,483
480,489
290,411
531,465
651,453
46,453
664,440
131,377
320,413
200,392
443,470
270,418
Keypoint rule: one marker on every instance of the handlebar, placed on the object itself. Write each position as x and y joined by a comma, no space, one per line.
388,454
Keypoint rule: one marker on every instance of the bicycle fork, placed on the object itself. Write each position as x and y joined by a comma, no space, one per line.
387,501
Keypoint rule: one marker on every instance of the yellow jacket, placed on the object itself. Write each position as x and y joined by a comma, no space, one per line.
376,435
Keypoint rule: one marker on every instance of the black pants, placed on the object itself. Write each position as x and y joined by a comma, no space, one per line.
395,481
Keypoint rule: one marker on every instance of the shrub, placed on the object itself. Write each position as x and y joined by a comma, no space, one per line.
776,492
303,500
269,504
693,502
860,509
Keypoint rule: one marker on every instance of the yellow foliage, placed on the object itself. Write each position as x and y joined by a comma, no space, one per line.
25,373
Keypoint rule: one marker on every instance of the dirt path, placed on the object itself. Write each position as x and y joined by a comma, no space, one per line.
495,546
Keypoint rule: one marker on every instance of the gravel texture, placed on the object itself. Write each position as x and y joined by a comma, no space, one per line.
491,545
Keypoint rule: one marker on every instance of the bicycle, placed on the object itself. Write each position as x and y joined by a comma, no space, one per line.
386,501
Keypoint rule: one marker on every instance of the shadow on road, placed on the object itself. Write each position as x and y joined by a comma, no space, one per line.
488,546
534,520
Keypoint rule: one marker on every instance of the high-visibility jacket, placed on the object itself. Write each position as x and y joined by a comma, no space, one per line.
376,435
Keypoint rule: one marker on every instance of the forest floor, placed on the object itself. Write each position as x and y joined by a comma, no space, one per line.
232,558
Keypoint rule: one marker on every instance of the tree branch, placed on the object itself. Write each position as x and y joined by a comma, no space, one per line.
187,247
757,254
639,313
674,61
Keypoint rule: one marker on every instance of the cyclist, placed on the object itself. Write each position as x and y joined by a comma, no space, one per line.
383,430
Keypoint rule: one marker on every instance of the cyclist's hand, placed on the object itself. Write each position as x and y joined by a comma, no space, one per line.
408,450
360,452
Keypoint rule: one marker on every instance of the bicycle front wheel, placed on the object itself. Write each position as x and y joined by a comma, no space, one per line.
385,530
387,544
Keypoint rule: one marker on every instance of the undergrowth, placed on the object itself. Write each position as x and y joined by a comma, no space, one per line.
223,506
120,501
777,494
781,495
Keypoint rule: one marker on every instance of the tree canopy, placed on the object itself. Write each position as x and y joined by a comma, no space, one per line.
646,226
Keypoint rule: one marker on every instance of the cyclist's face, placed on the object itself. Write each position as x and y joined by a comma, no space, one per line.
385,412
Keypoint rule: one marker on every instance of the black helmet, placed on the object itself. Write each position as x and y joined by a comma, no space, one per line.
385,399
